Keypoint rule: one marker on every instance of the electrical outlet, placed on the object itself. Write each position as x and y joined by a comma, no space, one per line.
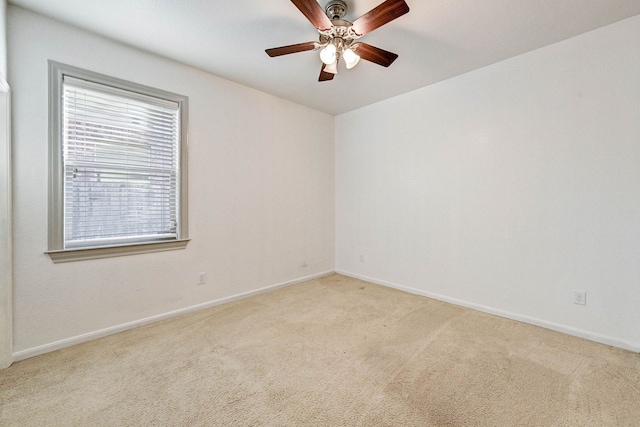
361,258
580,297
202,278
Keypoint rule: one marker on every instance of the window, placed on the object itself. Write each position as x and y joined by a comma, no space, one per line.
118,174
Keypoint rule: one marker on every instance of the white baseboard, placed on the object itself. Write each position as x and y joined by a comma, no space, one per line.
580,333
79,339
68,342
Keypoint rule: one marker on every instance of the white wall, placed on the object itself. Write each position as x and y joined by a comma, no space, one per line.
261,195
3,39
506,188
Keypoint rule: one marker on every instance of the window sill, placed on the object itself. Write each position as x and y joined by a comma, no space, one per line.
69,255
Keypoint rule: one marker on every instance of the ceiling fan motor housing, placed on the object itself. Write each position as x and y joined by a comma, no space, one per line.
336,9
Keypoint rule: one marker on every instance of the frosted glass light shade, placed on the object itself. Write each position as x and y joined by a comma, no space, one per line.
350,58
328,54
332,68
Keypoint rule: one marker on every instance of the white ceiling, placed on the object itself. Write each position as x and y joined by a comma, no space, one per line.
436,40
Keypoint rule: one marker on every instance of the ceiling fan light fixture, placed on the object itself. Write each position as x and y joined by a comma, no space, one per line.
328,54
332,68
351,59
339,37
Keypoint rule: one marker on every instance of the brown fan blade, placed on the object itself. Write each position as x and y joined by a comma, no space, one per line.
375,54
294,48
314,13
380,15
324,76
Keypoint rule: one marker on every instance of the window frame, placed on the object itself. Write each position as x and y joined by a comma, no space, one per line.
56,249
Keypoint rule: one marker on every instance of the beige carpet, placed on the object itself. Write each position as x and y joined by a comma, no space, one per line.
329,352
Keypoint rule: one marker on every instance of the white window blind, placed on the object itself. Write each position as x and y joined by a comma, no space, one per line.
121,166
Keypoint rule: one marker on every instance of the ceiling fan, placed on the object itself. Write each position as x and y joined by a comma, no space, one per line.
338,38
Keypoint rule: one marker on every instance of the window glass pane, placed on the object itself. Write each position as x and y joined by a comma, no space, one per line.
121,166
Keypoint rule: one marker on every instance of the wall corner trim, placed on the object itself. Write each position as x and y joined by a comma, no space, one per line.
6,237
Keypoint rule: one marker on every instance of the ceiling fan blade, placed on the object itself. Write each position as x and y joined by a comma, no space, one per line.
379,16
293,48
376,55
314,13
324,76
